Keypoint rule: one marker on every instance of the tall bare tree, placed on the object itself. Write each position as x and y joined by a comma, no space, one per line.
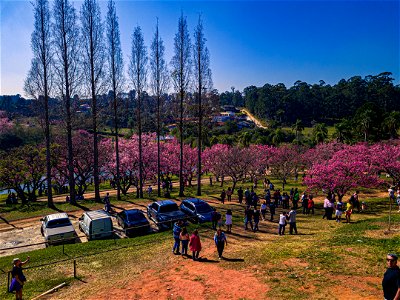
180,74
159,84
138,74
93,63
115,74
203,82
67,51
38,81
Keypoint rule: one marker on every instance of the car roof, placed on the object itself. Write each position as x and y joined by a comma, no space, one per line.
57,216
133,211
195,200
97,214
165,202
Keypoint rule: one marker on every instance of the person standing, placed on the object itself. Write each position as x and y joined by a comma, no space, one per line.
304,203
391,279
220,242
184,237
214,218
195,244
349,211
247,196
263,210
18,277
326,207
310,206
228,221
176,231
356,201
296,198
282,223
149,190
248,218
223,195
272,210
292,221
339,210
256,218
240,195
229,194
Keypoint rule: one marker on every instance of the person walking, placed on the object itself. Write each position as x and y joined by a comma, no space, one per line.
292,221
228,221
220,242
176,231
184,237
391,279
18,277
240,195
282,223
195,244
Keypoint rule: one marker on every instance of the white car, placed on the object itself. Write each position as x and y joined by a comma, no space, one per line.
57,229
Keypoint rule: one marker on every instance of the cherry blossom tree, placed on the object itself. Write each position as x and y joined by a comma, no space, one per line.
386,158
347,169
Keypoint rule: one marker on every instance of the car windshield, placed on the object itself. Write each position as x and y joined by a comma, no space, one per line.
168,208
131,217
203,208
58,223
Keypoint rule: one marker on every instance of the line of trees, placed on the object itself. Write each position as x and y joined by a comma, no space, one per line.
329,167
321,102
81,54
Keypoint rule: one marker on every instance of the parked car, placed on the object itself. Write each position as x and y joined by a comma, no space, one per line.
198,210
57,229
96,224
164,213
133,222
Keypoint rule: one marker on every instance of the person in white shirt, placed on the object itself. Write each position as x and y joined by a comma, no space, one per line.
282,223
292,221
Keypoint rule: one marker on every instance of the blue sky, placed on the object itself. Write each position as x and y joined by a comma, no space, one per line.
251,43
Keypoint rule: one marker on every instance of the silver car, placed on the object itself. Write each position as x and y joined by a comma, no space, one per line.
57,229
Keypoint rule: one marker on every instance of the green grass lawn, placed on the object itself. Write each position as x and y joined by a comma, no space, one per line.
321,256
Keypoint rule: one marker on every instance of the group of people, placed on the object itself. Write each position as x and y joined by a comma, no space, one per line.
183,240
339,207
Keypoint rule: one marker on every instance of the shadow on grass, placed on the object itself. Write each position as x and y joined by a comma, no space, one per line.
80,206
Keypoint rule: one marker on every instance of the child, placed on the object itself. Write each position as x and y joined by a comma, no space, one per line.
349,210
184,237
339,210
228,221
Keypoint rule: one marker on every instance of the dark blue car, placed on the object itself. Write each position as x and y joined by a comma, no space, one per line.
164,213
133,222
198,210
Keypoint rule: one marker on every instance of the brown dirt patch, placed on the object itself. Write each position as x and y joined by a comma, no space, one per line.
187,279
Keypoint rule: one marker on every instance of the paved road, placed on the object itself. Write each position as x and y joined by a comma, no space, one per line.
253,118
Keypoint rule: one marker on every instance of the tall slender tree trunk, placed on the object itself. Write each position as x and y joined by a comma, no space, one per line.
140,146
181,183
116,143
94,119
47,123
199,141
158,148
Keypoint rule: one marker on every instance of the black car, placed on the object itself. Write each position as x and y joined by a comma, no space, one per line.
198,210
164,213
133,222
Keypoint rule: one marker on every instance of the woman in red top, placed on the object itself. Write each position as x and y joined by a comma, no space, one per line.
195,244
310,206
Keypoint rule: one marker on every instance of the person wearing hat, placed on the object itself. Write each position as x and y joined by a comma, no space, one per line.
391,279
18,278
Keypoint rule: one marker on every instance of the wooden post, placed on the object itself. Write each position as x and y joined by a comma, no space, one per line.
390,211
75,268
